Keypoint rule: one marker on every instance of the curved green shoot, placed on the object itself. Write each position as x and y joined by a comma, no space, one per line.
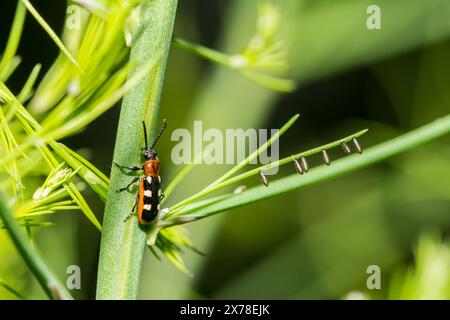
48,281
339,167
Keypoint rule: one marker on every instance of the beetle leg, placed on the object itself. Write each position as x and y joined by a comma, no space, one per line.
133,168
136,199
135,179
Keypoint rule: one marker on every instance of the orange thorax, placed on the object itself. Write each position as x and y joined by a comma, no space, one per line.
151,167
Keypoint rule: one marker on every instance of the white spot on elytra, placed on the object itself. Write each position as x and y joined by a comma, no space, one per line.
147,193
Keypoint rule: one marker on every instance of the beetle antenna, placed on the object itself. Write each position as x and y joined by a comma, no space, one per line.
145,135
164,125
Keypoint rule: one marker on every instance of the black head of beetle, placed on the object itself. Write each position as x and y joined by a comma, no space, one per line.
150,153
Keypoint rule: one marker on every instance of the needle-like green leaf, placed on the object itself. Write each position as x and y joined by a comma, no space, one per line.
50,32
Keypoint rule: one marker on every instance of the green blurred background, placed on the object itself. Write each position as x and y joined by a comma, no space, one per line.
315,243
